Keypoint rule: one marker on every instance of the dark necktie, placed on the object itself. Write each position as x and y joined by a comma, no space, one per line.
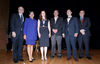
22,18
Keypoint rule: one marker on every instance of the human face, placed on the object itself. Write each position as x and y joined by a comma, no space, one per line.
69,12
43,14
56,13
82,13
31,15
20,10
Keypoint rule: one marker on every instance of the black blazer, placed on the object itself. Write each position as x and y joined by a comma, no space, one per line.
86,25
58,25
16,25
72,27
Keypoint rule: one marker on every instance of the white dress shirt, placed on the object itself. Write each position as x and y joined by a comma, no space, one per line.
68,19
20,16
55,18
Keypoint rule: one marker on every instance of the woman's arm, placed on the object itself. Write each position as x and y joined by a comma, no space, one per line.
39,29
49,27
25,28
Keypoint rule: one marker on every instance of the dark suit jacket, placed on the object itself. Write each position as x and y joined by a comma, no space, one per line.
86,25
72,27
16,25
58,25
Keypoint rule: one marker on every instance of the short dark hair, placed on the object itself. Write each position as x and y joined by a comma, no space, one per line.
57,10
69,9
31,11
83,10
20,6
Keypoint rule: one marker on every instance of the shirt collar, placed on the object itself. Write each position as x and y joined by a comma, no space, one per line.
56,17
20,14
81,18
69,16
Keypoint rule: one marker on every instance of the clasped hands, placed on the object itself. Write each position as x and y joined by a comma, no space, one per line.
82,31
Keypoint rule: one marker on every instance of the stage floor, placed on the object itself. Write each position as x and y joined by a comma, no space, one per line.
6,58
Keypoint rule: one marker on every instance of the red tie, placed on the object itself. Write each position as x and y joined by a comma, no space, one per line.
82,21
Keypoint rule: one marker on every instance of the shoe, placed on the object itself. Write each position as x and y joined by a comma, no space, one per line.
15,61
80,57
76,59
42,59
45,59
59,56
89,58
30,60
51,56
69,58
21,60
33,58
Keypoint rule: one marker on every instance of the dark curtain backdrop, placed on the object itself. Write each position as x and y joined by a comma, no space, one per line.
90,6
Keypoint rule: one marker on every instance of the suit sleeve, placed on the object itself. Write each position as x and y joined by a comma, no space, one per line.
88,24
63,27
76,26
51,24
60,27
12,23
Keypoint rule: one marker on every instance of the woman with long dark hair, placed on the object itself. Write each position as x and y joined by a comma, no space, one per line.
44,32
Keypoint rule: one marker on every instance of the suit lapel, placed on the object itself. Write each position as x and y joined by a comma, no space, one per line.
84,20
66,21
70,21
18,17
53,21
56,20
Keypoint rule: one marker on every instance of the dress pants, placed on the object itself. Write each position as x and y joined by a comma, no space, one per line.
71,41
54,39
17,47
83,39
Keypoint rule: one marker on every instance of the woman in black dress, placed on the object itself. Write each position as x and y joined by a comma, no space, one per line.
44,32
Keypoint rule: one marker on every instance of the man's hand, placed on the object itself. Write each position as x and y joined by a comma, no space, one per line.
82,31
76,34
55,30
13,34
49,35
25,37
63,35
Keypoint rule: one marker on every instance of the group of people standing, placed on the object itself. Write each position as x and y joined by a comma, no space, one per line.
71,29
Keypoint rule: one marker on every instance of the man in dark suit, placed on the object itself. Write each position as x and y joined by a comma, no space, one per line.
56,35
17,21
84,34
70,32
